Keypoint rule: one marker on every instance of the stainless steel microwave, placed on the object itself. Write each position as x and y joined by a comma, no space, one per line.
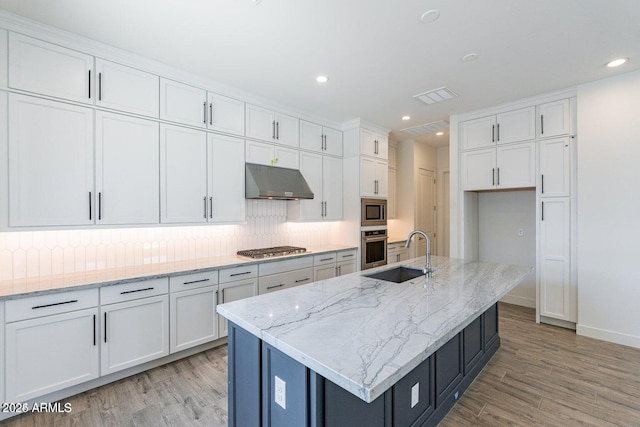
373,212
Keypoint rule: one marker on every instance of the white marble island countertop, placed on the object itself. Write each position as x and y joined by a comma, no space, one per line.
365,334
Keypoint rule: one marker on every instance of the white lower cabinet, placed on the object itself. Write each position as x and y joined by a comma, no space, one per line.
396,252
278,275
192,310
136,330
236,283
51,343
346,262
332,264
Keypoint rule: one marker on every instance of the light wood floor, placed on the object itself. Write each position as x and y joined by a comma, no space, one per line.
541,376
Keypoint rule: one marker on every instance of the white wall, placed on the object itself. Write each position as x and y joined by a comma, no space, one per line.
500,216
609,209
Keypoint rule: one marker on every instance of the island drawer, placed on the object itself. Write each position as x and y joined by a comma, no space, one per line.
238,273
133,290
45,305
192,281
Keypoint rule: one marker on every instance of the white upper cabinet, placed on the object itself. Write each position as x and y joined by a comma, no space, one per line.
478,169
332,188
555,167
126,89
47,69
51,168
271,155
374,176
183,175
508,166
324,176
226,179
511,126
225,114
268,125
374,144
127,169
320,139
182,103
555,118
311,169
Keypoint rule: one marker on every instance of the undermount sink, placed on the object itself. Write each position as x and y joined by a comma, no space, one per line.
397,275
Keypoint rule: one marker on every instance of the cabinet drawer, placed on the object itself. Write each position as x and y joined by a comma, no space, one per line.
289,279
349,255
134,290
268,268
45,305
192,281
323,259
238,273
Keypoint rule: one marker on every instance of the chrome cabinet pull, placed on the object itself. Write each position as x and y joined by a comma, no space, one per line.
99,206
542,213
222,296
90,205
99,86
94,330
137,290
542,183
273,129
277,130
210,207
326,259
89,84
498,132
205,206
303,280
493,176
195,281
54,304
105,326
211,113
240,274
498,176
204,112
347,256
493,133
541,124
275,286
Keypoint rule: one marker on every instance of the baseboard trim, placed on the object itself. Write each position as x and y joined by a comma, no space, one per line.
611,336
558,322
521,301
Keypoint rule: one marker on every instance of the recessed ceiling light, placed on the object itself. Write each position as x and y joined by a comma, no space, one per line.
470,57
617,62
430,16
439,133
405,118
322,79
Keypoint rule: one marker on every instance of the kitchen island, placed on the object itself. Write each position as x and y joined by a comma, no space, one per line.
355,350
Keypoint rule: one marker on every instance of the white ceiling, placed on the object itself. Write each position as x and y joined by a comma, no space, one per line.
377,53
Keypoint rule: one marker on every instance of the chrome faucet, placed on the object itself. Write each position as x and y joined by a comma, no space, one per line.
427,268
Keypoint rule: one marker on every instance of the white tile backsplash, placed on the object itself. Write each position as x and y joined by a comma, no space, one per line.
27,254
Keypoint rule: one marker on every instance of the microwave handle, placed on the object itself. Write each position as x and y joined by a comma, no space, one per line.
383,212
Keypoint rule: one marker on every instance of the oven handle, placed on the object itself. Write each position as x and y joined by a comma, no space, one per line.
374,239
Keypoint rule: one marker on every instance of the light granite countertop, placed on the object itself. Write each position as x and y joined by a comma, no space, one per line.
365,334
17,288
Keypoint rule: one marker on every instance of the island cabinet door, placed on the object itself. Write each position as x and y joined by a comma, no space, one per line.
448,368
473,344
490,326
413,395
284,390
244,378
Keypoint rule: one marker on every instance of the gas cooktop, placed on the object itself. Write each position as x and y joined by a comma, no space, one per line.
271,252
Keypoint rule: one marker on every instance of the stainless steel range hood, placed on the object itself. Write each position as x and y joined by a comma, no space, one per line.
270,182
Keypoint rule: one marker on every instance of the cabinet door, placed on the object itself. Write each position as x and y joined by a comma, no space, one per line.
367,177
134,332
260,153
51,168
311,137
391,198
555,167
50,353
182,103
478,133
183,175
448,368
286,157
234,291
478,169
555,264
382,179
193,319
555,118
413,395
287,130
225,114
127,89
382,149
324,272
347,267
260,123
367,142
127,169
515,126
332,187
226,179
332,141
48,69
311,168
516,165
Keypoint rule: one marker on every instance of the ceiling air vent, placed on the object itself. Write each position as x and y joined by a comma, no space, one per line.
427,128
436,95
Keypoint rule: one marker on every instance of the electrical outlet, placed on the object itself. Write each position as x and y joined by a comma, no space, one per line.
415,394
520,232
281,392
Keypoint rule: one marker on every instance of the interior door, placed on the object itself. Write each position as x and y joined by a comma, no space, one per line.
425,206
